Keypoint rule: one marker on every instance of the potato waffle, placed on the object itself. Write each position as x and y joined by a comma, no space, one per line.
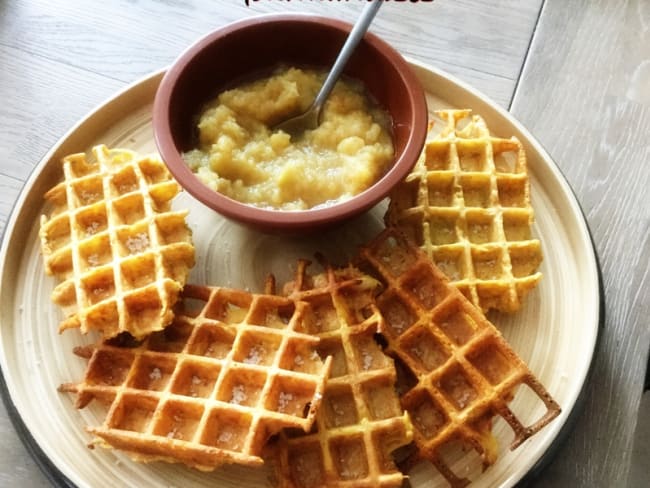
360,422
461,371
466,203
121,254
231,370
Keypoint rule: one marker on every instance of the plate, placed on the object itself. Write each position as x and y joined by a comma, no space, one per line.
555,332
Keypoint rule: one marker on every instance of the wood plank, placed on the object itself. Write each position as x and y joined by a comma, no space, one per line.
42,100
483,44
17,468
585,93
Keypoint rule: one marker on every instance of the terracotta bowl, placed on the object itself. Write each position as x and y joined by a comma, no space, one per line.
256,45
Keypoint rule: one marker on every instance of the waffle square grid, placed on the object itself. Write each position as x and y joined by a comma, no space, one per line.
460,372
120,253
466,203
360,422
231,370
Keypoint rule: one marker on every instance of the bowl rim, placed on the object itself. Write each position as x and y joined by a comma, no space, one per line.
278,218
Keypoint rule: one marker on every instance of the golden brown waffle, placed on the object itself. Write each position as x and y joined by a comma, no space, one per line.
467,205
360,422
462,372
121,254
231,370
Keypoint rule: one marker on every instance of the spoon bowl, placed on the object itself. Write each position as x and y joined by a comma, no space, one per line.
253,47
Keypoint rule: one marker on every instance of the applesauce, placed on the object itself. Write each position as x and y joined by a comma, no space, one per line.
241,156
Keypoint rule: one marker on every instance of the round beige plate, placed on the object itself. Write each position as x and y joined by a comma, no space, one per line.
555,332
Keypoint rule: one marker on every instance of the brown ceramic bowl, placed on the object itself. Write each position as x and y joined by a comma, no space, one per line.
258,44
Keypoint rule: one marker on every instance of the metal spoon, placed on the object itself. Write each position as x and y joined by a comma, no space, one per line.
311,118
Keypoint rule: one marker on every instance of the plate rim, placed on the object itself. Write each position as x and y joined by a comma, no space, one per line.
56,475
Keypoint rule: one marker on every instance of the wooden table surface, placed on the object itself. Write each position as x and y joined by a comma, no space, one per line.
576,74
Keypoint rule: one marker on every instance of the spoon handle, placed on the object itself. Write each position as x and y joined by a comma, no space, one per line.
357,32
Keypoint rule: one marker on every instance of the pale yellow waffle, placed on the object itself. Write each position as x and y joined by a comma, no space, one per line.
120,253
231,370
467,205
461,371
360,422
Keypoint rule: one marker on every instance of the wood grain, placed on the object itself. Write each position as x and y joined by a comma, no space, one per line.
584,92
586,96
125,40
